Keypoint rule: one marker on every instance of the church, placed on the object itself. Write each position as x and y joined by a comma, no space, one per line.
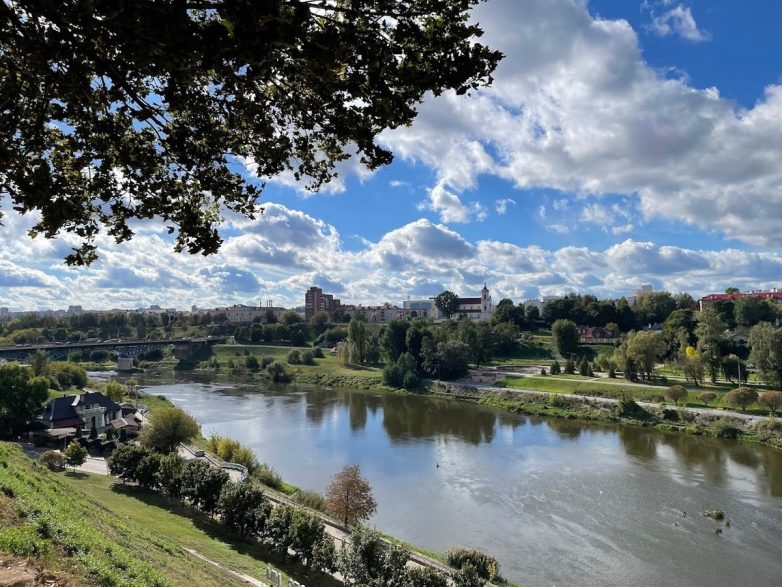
478,309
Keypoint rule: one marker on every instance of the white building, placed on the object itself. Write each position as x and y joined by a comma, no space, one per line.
478,309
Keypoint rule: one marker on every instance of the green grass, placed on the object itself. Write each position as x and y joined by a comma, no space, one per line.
616,388
94,531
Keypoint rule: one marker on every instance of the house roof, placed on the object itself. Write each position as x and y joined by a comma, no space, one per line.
762,295
470,300
124,423
62,410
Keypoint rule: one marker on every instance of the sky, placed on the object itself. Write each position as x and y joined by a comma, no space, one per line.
623,142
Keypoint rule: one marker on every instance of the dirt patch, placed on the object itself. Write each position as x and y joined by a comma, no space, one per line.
25,573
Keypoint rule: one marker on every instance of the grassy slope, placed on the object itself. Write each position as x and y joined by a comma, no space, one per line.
97,532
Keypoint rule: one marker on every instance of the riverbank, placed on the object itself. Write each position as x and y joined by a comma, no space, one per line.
698,422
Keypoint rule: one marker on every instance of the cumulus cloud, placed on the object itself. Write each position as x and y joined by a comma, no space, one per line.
678,21
575,108
502,204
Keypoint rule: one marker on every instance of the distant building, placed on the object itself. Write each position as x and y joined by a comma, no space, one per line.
596,335
418,308
5,313
316,301
77,310
775,296
478,309
638,293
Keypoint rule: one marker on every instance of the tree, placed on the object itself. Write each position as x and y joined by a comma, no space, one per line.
555,369
202,484
357,341
655,307
21,397
734,369
349,496
147,472
277,372
741,397
124,461
39,362
709,331
748,311
676,393
566,339
771,400
277,531
114,390
447,302
306,532
167,428
394,340
367,561
320,321
170,474
240,507
104,102
468,576
766,344
75,455
707,397
251,363
645,348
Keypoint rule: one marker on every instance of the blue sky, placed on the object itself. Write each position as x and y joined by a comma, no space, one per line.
623,142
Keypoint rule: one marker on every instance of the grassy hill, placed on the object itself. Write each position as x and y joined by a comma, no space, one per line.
91,530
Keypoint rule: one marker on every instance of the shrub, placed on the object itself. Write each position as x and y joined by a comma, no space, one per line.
485,565
707,397
75,455
555,368
726,428
307,358
768,429
317,352
268,476
294,358
277,372
251,363
611,373
628,408
410,380
771,400
53,460
670,415
426,577
676,393
543,371
741,397
266,361
310,499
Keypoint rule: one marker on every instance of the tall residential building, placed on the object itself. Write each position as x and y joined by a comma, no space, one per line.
316,301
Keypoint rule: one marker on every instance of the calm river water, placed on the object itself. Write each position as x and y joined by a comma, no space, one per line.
557,502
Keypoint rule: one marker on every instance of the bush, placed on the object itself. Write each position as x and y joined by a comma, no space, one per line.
268,476
410,381
485,565
266,361
277,372
294,358
53,460
555,369
741,397
310,499
726,428
252,364
307,358
707,397
317,352
676,393
628,408
670,415
768,429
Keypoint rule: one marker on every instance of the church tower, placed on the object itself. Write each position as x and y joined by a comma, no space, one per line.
486,308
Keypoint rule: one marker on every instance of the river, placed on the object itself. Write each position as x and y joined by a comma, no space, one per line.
558,502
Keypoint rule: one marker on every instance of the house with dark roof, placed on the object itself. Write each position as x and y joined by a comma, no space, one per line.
84,410
596,335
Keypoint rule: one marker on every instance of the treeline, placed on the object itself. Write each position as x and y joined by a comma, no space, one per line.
244,510
416,348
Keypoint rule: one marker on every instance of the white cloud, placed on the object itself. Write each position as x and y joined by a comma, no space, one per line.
501,205
678,21
596,214
575,108
450,207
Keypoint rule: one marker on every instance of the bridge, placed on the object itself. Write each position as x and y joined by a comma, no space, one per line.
183,347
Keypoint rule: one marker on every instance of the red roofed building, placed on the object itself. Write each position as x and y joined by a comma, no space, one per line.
774,295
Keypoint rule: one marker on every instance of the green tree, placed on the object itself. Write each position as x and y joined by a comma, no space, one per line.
357,341
294,86
147,472
676,393
306,532
645,349
39,362
170,474
734,369
240,506
426,577
766,344
202,484
707,397
741,397
277,531
124,461
748,311
75,455
251,363
447,302
394,340
167,428
277,372
566,339
501,339
369,562
709,331
114,390
320,321
349,496
771,400
21,398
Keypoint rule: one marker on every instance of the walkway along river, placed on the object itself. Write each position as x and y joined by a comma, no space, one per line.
559,502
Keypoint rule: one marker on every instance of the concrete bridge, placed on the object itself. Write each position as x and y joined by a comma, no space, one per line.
183,347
